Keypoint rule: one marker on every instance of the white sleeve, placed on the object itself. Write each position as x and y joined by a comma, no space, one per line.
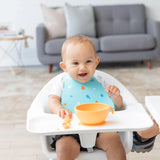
57,87
101,79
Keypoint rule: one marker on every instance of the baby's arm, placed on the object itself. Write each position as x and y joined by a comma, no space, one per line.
56,107
114,92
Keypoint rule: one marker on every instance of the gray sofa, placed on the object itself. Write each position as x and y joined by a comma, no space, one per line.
123,33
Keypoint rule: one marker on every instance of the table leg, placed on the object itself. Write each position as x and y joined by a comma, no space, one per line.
7,53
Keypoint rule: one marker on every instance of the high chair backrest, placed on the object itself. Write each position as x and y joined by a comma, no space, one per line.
128,98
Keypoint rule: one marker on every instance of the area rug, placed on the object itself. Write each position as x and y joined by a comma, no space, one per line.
18,91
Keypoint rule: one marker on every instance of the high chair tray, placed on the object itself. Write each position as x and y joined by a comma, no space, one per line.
133,118
153,105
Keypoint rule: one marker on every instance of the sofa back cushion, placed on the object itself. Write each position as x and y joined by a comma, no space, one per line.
54,20
119,19
79,20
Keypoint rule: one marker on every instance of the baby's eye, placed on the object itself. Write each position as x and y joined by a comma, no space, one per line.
88,61
75,63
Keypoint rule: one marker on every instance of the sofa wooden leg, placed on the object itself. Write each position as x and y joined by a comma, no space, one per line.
50,68
149,64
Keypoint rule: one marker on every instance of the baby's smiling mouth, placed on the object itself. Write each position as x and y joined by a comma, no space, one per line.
82,74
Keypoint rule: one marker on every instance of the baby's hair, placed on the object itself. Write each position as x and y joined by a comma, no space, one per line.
75,40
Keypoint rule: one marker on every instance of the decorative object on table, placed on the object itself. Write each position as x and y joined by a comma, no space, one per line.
21,32
14,43
6,29
3,29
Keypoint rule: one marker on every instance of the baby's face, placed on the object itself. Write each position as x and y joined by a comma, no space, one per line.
80,62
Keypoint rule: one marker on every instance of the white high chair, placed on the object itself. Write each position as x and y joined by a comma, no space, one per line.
132,117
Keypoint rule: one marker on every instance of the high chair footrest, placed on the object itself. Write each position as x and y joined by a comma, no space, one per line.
89,150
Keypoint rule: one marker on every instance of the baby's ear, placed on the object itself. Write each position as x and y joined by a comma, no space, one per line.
97,60
63,66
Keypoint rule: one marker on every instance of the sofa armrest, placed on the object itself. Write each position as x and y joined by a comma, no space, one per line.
41,37
153,28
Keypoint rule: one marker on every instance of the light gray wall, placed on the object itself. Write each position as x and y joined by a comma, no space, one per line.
27,14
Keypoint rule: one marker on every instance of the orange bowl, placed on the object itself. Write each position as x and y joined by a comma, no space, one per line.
92,113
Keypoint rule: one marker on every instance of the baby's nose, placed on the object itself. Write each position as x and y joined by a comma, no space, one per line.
82,66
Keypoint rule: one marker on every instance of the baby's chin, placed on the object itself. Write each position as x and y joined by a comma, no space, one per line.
83,79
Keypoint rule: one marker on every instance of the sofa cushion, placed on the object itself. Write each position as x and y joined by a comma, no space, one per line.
127,42
54,20
54,46
119,19
80,20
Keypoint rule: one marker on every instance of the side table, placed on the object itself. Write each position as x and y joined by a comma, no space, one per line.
153,106
14,43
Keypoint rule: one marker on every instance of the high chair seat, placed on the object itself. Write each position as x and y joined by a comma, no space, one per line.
131,117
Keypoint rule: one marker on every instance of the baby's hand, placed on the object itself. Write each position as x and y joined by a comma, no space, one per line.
65,113
113,91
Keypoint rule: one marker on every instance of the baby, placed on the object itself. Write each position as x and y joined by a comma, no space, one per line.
79,61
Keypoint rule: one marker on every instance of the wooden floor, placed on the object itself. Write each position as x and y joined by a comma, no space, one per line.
17,144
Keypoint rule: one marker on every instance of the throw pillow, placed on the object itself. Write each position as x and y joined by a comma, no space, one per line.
79,20
54,20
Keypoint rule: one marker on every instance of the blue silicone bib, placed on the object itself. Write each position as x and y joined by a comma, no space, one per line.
75,93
